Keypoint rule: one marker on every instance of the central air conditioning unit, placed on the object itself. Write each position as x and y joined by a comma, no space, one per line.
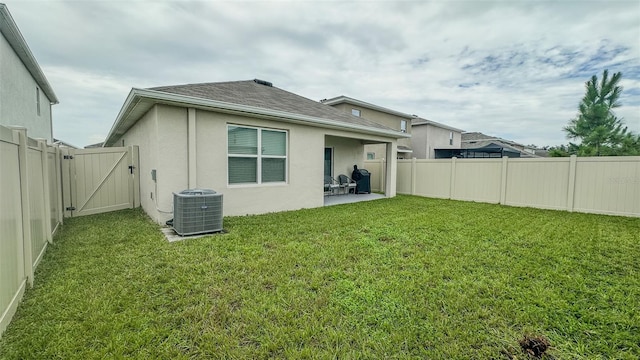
197,211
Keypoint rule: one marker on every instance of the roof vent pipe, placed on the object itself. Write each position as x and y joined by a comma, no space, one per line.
262,82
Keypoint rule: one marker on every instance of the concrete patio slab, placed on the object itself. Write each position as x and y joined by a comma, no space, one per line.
172,236
350,198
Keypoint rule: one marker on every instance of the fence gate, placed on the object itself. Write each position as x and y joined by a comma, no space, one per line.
100,180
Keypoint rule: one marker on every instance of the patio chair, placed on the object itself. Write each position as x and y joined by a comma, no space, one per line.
346,183
330,185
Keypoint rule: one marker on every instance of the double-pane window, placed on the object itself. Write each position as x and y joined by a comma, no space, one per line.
256,155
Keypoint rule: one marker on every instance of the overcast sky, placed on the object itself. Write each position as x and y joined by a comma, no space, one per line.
514,69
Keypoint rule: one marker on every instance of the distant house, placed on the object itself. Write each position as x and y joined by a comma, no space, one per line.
265,149
479,145
63,144
93,146
381,115
25,94
428,135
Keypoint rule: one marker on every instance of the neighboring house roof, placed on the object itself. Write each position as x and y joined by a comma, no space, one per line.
478,139
542,152
63,144
345,99
475,136
10,31
470,136
491,143
256,98
96,145
417,121
404,149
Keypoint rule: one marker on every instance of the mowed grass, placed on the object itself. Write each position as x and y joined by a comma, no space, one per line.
407,277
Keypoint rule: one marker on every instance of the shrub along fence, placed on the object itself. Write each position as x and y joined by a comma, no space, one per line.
30,212
602,185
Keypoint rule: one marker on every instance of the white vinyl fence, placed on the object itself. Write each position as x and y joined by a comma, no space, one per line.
602,185
41,184
30,212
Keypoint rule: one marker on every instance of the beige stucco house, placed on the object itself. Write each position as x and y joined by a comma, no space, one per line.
428,135
393,119
25,94
265,149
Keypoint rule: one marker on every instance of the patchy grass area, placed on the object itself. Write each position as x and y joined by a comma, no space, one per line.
407,277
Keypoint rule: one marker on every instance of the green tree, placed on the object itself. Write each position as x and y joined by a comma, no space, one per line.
597,127
630,145
559,151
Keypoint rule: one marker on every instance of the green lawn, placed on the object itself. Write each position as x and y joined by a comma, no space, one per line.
407,277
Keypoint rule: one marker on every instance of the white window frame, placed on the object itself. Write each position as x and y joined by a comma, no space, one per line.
450,137
259,157
356,112
403,126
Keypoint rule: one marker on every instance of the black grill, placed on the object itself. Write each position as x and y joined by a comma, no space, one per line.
363,185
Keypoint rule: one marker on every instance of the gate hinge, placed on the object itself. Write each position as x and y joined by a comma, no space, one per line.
71,208
67,157
131,167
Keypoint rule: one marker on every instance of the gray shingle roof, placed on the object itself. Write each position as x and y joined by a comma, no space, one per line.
471,136
476,136
251,93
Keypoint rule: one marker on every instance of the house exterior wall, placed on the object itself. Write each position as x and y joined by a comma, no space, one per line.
172,162
425,138
162,135
346,153
145,134
380,152
18,96
379,117
304,163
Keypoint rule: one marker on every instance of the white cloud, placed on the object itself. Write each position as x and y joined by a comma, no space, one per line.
512,69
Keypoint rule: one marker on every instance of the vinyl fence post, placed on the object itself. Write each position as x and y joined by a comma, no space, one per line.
58,165
46,204
571,189
20,136
503,182
452,182
413,176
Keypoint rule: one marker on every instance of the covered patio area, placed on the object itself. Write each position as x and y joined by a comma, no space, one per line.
341,153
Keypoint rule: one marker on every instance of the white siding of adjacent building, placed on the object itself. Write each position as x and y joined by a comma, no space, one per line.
18,99
426,138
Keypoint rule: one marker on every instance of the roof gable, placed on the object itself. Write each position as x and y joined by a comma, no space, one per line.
418,121
247,98
347,100
256,94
